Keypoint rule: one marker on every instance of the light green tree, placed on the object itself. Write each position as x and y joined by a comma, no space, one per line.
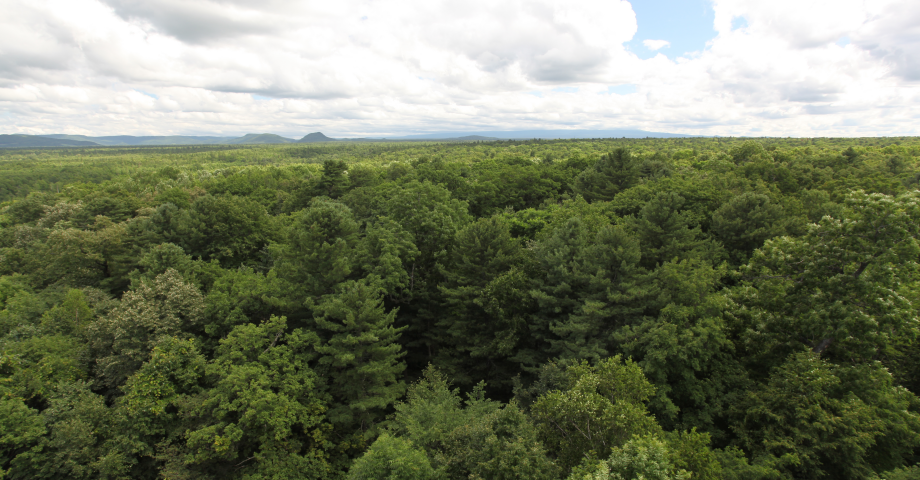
601,408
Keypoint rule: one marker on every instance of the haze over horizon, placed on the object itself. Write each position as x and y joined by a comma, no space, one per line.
362,68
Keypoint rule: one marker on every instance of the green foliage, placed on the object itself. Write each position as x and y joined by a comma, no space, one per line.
666,233
908,473
841,295
746,221
36,364
361,354
690,452
86,439
333,183
235,298
589,287
428,213
688,354
476,438
600,409
70,317
257,311
642,458
22,427
735,466
386,252
21,307
263,416
392,458
319,252
153,392
122,340
485,298
807,422
228,229
612,173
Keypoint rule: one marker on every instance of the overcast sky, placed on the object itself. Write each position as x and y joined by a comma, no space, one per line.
376,67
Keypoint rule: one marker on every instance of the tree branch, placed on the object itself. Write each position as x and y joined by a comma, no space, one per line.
273,342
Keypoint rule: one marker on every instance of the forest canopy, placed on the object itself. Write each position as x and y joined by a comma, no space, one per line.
691,308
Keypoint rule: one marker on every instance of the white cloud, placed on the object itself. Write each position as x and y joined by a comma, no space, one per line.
368,67
656,44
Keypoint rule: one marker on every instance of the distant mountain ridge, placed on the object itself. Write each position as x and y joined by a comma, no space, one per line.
259,139
126,140
26,141
315,137
64,140
542,134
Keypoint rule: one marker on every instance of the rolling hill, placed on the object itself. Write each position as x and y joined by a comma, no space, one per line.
130,140
29,141
315,137
258,138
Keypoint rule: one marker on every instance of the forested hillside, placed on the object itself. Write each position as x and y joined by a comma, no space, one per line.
694,308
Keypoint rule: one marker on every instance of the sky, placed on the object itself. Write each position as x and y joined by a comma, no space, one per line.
353,68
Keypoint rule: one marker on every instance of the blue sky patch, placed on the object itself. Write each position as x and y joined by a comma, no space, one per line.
685,24
624,89
739,22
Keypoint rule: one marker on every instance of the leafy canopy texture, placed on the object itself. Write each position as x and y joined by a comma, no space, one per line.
703,308
838,290
600,409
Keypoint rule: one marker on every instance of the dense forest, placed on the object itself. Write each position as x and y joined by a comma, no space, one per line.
696,308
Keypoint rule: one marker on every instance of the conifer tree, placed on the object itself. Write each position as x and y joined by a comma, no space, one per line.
361,353
591,287
334,182
319,249
664,231
485,297
612,173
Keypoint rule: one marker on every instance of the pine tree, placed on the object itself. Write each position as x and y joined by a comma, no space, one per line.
664,231
360,352
319,249
591,287
614,172
485,298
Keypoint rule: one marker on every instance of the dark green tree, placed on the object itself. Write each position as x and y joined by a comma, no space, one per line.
808,423
612,173
229,229
121,341
392,458
360,354
386,251
334,181
590,287
666,233
428,213
319,251
86,440
838,290
485,303
745,222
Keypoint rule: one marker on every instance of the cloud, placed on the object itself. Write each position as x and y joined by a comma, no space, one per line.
366,67
892,34
656,44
